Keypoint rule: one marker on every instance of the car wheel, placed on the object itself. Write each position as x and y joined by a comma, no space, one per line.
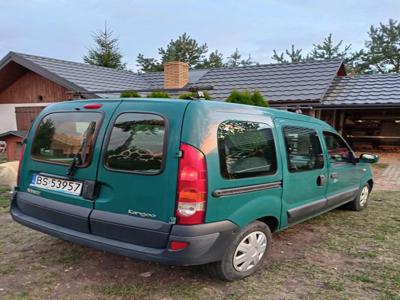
361,201
245,254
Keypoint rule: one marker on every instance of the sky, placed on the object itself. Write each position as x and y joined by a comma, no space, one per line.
64,29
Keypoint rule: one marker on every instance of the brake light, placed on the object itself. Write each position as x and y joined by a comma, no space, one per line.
21,156
192,187
176,246
93,106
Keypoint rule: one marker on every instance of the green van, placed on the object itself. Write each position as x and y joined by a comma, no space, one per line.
183,182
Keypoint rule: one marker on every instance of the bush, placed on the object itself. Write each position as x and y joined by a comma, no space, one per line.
194,95
246,97
158,95
130,94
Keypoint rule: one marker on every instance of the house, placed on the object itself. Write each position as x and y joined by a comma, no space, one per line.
13,140
365,108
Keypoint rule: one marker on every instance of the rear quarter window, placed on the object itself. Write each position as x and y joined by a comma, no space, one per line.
136,143
246,149
59,136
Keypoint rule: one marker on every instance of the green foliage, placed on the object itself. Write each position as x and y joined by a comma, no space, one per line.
106,53
382,53
184,49
246,97
236,60
292,56
194,95
148,64
130,94
328,50
158,95
258,99
214,60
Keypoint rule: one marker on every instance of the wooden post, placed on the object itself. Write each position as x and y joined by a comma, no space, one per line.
341,121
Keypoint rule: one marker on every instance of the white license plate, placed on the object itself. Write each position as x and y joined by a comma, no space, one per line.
57,184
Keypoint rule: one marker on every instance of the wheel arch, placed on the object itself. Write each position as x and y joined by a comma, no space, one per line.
272,222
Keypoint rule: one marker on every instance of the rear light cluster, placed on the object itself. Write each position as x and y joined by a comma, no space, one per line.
21,156
192,187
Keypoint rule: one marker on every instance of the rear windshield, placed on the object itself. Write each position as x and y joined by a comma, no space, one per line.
60,136
136,143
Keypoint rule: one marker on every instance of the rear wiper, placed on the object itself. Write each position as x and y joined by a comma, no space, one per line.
81,154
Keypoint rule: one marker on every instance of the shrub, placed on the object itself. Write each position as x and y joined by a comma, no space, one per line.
194,95
130,94
158,95
246,97
258,99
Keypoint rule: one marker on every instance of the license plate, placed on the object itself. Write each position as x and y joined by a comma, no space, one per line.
57,184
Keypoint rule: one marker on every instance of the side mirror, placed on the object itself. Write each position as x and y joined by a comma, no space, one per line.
368,158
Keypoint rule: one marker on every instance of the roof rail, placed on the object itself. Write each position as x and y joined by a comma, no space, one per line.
184,89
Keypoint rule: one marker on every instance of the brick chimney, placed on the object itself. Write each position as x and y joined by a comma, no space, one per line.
176,74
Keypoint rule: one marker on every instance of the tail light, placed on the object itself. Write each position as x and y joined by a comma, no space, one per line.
21,156
192,187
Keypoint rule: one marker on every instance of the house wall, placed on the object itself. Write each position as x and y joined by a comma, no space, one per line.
13,146
25,98
30,87
8,117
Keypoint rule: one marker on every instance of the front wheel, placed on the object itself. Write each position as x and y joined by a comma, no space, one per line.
245,254
361,201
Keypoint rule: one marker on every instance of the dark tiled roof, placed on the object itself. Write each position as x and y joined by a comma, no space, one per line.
19,133
156,79
299,82
81,76
364,89
276,82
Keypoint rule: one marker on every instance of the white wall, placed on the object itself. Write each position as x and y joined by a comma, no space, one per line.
8,120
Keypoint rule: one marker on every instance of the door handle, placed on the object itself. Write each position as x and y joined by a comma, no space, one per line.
321,180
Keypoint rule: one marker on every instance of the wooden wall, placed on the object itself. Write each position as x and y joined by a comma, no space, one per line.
29,87
26,115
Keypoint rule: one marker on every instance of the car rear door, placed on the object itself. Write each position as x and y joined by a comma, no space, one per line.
304,170
138,173
54,140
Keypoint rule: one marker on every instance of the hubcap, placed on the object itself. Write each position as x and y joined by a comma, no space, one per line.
250,251
364,196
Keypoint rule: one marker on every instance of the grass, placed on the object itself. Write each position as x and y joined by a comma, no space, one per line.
339,255
4,199
3,157
380,165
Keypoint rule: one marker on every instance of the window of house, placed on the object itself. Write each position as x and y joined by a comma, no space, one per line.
303,149
246,149
136,143
337,148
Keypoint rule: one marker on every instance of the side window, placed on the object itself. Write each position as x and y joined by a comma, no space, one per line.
303,149
136,143
246,149
337,148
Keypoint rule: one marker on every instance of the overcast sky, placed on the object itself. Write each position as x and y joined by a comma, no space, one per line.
63,29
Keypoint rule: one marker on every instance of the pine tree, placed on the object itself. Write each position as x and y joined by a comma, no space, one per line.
106,53
214,60
184,49
328,50
236,60
382,53
148,64
289,56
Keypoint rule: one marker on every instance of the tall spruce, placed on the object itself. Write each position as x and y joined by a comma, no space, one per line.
382,54
106,53
289,56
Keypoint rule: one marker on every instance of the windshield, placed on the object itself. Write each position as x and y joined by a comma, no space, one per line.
59,136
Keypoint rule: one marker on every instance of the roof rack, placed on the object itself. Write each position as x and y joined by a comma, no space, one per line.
192,89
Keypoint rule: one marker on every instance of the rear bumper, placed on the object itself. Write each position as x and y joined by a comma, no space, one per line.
207,242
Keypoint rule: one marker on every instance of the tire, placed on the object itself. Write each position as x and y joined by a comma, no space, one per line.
229,268
361,201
